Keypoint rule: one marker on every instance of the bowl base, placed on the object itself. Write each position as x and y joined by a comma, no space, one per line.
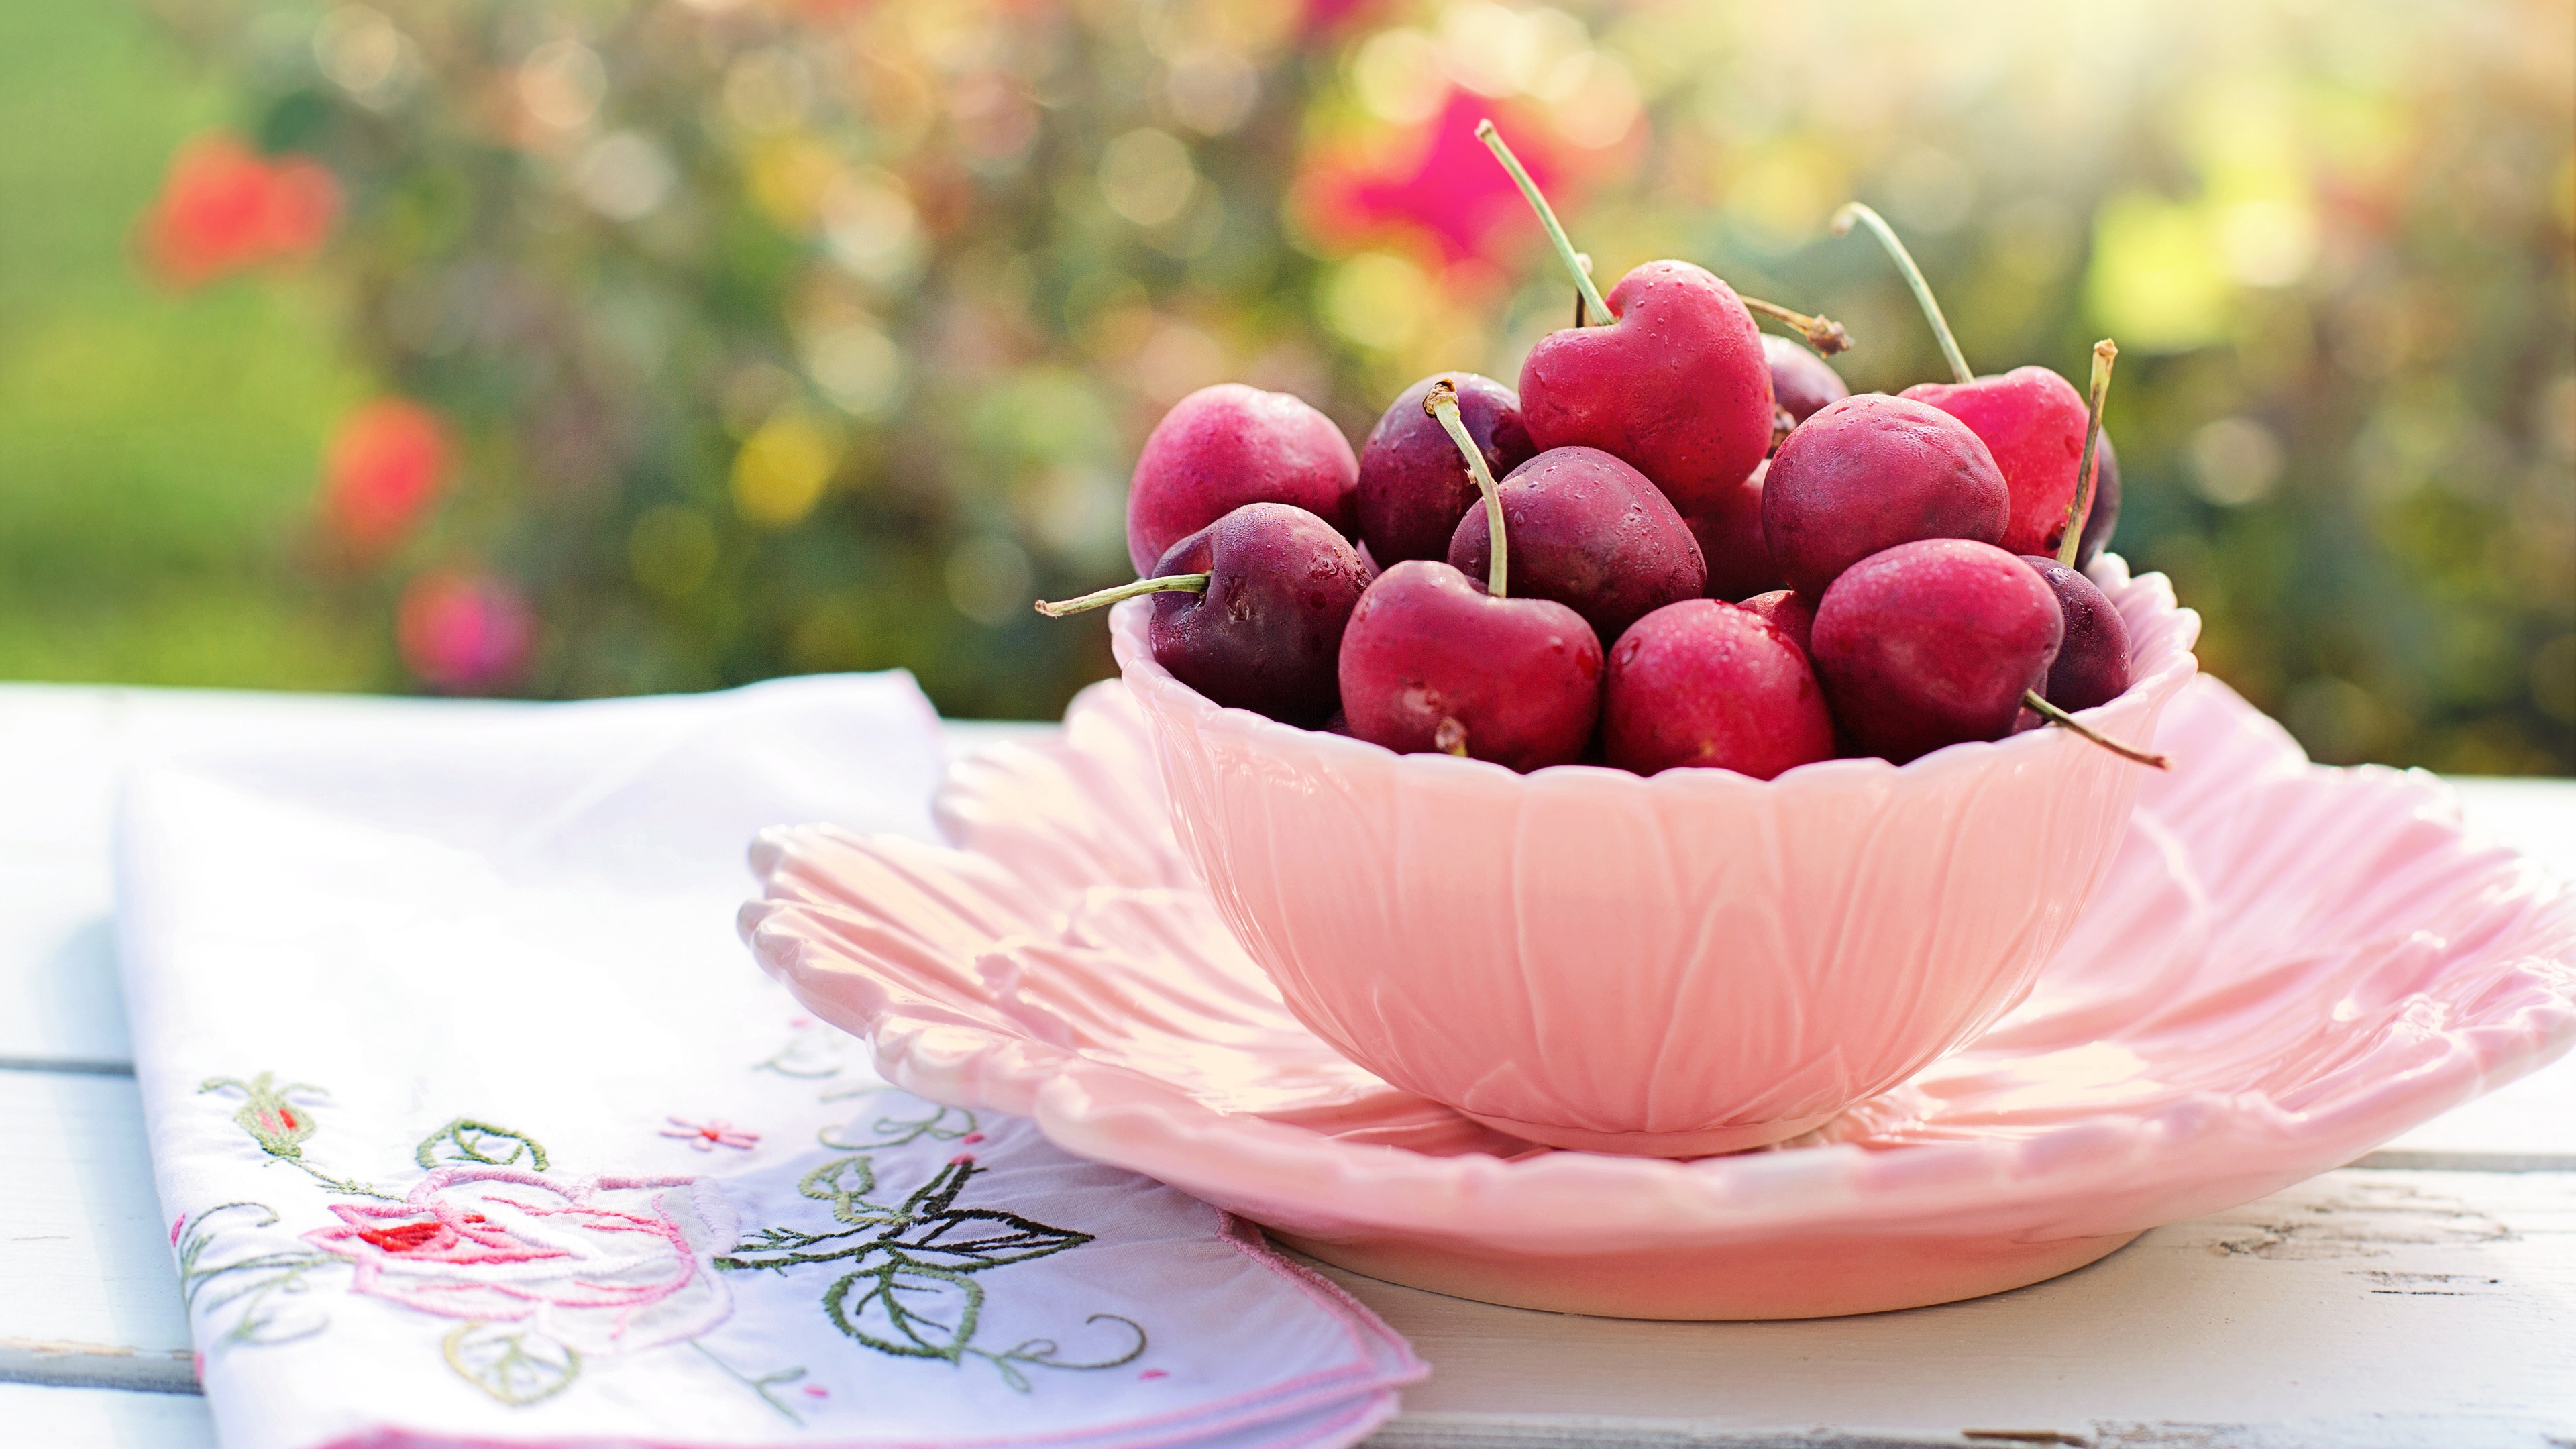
1706,1142
1801,1276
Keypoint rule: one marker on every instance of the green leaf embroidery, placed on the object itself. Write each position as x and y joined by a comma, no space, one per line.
943,1124
480,1142
266,1114
910,1290
251,1282
280,1126
516,1366
761,1385
907,1310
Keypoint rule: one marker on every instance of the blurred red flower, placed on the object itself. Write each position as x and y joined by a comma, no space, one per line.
1439,181
464,632
386,464
224,207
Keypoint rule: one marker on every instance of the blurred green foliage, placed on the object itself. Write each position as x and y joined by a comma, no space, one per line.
787,337
156,452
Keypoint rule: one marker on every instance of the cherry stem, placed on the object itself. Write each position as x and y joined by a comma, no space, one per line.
1854,211
1166,584
1442,404
2071,537
1822,333
2063,720
1591,294
1585,259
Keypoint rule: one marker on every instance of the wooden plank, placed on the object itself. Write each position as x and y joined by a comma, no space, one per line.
91,1294
57,1418
2381,1308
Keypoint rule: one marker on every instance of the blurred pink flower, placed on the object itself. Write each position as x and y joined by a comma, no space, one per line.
464,632
224,208
386,464
1440,181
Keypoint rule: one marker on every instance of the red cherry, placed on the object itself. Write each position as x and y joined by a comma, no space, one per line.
1730,541
1432,663
1933,642
2032,421
1676,385
1707,684
1792,613
1590,532
1871,472
1228,445
1413,488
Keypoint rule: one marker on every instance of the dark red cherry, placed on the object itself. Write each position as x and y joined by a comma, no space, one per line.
1871,472
1413,486
1731,544
1591,533
1792,613
1432,663
1249,610
1801,382
2093,661
1933,642
1708,684
1228,445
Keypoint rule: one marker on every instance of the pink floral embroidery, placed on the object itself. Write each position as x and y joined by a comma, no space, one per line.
709,1135
612,1265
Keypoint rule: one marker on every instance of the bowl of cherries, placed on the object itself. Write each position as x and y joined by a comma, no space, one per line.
1668,754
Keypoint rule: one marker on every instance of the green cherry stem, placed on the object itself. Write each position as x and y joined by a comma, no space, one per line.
1167,584
1854,211
1493,139
1822,333
2041,707
1442,404
2071,535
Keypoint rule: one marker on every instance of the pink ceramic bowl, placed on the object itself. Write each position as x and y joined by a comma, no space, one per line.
1689,964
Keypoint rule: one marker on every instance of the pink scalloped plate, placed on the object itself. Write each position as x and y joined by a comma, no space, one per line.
2286,966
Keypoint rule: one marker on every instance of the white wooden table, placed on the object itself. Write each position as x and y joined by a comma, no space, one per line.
2425,1295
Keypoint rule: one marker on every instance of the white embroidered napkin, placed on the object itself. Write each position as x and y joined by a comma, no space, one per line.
475,1125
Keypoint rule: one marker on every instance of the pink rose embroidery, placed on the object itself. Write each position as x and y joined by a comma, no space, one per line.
611,1265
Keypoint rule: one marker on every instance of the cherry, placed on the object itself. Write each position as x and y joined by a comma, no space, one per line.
1707,684
1224,446
2093,663
1430,662
2031,419
1933,642
1412,490
1800,380
1792,613
1250,610
1590,532
1730,541
1670,378
1871,472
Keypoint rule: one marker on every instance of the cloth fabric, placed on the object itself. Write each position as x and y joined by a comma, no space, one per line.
475,1124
